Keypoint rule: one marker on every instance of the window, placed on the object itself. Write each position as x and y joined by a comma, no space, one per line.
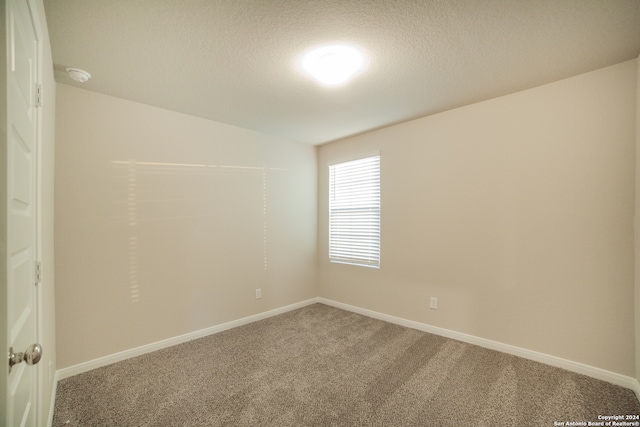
354,212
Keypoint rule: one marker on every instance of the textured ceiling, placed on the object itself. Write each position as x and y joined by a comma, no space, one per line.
234,61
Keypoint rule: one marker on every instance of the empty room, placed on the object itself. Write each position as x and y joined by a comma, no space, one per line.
321,213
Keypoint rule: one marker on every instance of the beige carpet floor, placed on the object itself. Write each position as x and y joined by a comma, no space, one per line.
322,366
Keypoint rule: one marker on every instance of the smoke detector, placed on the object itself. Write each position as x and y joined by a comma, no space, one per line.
78,74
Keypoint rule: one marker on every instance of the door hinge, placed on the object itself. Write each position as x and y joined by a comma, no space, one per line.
38,95
38,272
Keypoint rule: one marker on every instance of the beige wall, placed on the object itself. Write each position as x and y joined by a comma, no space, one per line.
166,224
517,213
47,324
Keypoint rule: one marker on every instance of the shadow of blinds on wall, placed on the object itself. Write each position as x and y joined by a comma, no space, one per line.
354,212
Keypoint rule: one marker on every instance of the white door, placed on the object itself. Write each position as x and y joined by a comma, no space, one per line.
22,307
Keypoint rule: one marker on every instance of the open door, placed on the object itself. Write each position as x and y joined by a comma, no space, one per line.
21,196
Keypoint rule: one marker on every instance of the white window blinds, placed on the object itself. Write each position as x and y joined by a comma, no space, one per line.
354,212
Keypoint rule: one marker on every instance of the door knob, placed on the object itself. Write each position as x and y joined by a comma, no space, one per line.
31,356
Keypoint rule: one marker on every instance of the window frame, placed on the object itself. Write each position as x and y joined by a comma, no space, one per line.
354,225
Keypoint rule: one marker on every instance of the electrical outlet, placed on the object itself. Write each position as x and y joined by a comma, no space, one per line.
434,303
258,293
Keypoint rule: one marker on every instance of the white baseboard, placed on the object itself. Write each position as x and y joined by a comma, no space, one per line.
148,348
580,368
598,373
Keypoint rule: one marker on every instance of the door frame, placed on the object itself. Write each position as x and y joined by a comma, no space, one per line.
41,406
4,372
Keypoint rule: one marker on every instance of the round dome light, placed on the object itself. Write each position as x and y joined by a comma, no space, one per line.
333,65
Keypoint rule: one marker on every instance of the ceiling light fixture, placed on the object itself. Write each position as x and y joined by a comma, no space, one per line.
78,74
333,65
